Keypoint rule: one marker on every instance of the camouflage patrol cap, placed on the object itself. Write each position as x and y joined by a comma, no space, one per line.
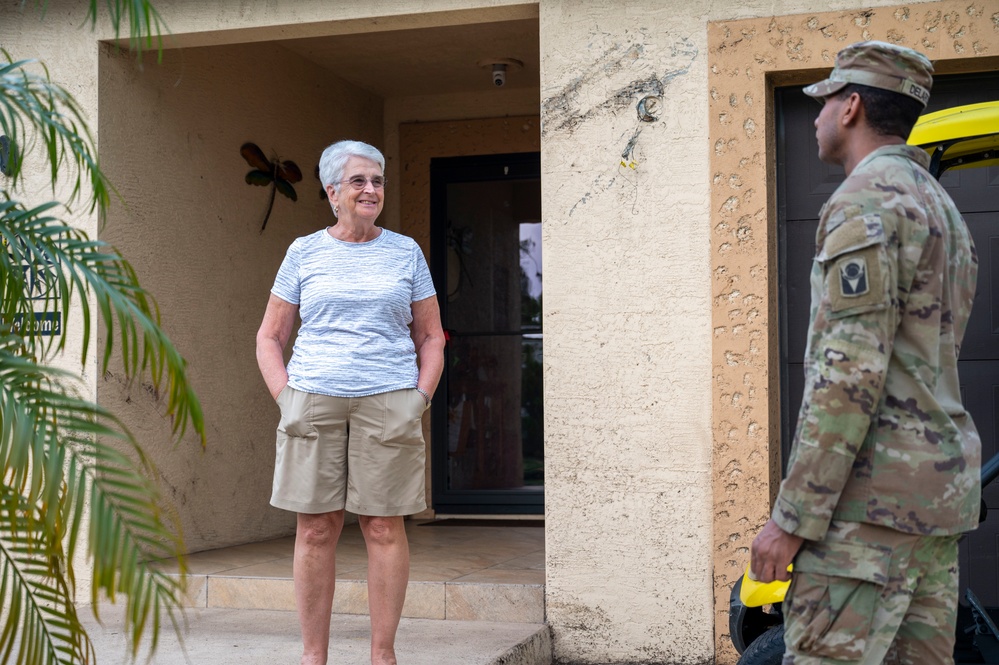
879,65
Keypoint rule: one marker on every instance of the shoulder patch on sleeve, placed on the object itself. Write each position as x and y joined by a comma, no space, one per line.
855,281
855,262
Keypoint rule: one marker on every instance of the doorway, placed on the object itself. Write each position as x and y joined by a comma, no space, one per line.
804,183
487,438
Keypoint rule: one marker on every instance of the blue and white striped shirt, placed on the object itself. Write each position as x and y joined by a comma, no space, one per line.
355,301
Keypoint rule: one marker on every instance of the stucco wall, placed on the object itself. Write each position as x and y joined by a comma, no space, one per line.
170,139
627,320
635,258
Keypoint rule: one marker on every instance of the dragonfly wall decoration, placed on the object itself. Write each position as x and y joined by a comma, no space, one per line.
279,175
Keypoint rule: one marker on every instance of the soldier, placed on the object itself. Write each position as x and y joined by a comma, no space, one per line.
884,470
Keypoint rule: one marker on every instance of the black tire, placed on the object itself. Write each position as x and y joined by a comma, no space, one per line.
767,649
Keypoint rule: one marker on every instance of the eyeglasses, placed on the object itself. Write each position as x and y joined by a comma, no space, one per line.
359,182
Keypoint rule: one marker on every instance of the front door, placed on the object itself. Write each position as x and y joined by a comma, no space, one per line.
488,425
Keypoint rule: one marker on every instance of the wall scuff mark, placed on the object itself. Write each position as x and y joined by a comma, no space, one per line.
571,106
631,73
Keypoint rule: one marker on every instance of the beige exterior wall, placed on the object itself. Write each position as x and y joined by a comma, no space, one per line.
660,323
627,250
627,333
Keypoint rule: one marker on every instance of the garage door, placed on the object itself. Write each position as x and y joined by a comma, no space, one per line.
804,184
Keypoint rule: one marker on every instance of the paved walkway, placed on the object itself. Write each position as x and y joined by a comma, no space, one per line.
264,637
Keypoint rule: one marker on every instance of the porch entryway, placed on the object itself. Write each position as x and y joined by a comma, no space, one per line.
415,85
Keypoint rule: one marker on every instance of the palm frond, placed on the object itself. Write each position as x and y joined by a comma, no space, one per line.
144,22
41,117
74,266
127,531
57,462
71,475
41,620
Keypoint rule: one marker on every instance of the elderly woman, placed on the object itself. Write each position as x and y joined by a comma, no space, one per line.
368,356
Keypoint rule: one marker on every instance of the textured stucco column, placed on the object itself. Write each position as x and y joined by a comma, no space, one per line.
746,59
627,333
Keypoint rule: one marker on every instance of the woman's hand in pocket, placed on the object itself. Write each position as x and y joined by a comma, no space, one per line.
280,390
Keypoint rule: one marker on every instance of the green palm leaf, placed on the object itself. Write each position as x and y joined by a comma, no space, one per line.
72,477
55,451
38,115
31,588
90,267
144,23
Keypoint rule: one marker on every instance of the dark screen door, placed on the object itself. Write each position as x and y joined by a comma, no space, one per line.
488,418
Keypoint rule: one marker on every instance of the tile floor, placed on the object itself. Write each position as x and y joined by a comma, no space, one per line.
467,573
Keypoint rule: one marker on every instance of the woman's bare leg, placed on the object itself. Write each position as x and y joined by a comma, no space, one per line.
388,575
315,581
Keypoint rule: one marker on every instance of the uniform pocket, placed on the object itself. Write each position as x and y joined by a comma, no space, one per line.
833,598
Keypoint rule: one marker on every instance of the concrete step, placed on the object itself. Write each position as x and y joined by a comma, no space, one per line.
269,637
457,573
454,601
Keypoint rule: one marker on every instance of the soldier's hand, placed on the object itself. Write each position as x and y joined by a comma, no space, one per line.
772,552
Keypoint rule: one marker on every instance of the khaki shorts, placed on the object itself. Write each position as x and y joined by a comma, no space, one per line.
365,454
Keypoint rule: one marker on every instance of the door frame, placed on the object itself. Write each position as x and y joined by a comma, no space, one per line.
445,171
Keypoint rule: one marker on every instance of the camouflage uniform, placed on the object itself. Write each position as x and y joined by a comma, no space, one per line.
884,470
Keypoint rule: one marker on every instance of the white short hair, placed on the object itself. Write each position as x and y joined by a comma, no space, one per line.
335,158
